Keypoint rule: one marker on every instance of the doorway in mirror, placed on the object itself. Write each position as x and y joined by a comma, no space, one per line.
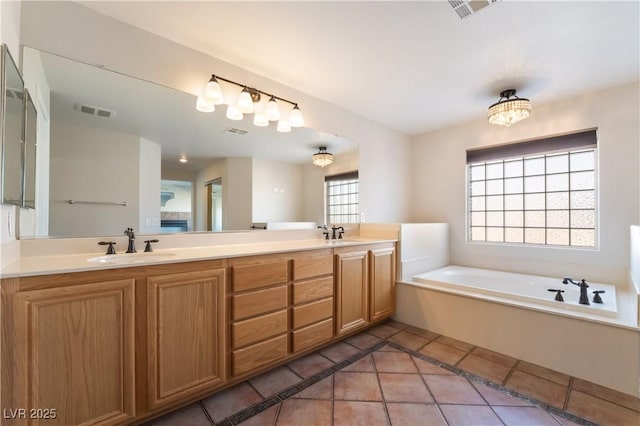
176,206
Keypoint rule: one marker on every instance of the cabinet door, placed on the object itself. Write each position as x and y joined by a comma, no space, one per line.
383,283
352,295
79,345
185,315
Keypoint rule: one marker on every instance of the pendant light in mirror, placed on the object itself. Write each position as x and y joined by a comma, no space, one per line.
322,158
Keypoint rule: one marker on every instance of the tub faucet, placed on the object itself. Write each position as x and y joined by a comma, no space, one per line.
584,299
131,248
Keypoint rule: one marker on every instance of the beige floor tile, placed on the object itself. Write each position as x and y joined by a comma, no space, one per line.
414,414
470,415
497,397
363,340
230,401
364,365
545,373
339,351
426,367
601,411
274,381
525,416
445,353
398,387
296,412
538,388
388,348
453,390
422,333
458,344
484,368
356,386
606,393
355,413
394,362
189,415
494,356
265,418
383,331
396,324
321,390
409,340
310,365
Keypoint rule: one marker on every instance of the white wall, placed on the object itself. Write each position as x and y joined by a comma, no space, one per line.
237,195
181,201
74,152
277,191
148,187
313,193
384,153
439,173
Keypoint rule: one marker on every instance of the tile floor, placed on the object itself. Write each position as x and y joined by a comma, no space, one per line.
394,374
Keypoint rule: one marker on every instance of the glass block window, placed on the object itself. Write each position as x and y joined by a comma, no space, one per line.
342,205
546,198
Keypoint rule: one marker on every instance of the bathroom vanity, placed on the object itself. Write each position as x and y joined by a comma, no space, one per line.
116,344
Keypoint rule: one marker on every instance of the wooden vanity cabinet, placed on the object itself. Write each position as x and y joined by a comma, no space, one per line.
365,285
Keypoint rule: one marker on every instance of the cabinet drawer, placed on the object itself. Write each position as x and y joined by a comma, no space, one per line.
311,290
258,328
312,312
312,335
248,277
259,302
313,266
260,354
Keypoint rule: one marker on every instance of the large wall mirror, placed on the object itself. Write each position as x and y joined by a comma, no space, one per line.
115,145
12,129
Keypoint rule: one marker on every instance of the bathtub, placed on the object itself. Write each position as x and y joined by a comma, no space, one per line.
530,290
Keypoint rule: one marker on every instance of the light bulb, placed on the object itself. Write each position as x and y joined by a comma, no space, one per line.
183,160
233,113
272,111
245,103
284,126
213,91
295,118
204,104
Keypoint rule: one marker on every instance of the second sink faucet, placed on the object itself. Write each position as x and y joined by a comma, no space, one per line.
339,230
131,248
584,299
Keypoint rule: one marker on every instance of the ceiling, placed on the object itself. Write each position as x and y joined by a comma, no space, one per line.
413,66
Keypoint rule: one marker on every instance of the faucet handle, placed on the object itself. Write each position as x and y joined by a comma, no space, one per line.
110,249
147,247
559,292
596,296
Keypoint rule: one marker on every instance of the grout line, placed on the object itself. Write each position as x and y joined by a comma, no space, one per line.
510,373
206,413
567,395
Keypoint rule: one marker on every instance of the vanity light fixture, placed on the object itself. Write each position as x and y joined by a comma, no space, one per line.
322,158
248,102
509,109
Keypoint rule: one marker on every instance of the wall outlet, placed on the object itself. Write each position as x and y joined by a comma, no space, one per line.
362,218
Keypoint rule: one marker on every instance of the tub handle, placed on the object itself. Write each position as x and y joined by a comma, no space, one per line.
596,296
559,292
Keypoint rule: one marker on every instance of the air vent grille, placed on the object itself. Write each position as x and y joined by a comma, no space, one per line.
465,8
94,110
235,130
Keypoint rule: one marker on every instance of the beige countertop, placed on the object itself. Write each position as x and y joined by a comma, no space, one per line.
57,264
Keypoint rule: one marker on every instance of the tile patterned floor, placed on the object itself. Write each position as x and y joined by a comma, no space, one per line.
394,374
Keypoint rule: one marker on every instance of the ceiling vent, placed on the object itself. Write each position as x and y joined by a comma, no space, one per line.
465,8
235,130
94,110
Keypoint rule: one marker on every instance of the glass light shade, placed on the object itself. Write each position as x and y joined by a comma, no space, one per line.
272,111
245,103
295,118
213,92
284,126
233,113
322,158
508,112
260,120
204,104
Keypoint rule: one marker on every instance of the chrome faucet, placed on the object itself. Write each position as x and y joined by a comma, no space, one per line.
584,299
131,248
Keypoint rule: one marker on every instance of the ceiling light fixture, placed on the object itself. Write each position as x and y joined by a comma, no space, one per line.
322,158
246,104
509,109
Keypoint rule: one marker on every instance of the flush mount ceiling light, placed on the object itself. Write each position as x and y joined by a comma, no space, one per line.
322,158
509,109
249,102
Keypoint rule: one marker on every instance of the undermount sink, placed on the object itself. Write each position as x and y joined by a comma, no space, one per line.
128,258
338,242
